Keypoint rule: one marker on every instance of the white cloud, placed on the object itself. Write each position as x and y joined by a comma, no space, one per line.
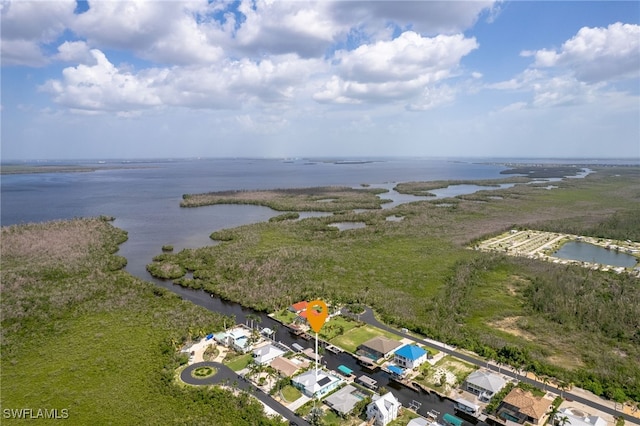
22,52
40,21
427,17
301,27
105,87
75,51
597,54
393,70
26,25
432,97
162,31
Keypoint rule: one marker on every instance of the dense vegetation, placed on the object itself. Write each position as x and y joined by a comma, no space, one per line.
577,325
81,335
325,199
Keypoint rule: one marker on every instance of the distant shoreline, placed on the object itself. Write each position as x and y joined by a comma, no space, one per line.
15,169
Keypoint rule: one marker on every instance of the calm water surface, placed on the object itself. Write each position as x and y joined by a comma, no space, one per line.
145,197
585,252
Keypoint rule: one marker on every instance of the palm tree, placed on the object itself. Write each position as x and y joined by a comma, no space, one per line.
315,416
545,381
552,413
563,386
564,420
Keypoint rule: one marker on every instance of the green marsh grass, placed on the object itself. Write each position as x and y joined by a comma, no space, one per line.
78,335
419,274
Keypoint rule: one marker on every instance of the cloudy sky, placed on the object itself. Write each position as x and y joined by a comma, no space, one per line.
274,78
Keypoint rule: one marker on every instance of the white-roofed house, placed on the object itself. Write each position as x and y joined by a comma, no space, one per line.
484,384
383,409
578,418
265,354
315,388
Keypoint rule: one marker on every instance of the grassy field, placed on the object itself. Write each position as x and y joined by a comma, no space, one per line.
564,321
290,394
238,362
79,334
353,338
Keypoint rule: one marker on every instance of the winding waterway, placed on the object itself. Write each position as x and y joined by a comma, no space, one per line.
144,198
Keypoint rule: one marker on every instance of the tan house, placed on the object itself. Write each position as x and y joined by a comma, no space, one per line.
286,367
521,406
378,347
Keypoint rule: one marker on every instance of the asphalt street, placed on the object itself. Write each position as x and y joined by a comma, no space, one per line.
227,375
369,318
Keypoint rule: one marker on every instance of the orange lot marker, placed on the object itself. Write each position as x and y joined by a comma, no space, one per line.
317,313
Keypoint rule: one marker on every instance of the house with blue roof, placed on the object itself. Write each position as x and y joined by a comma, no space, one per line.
410,356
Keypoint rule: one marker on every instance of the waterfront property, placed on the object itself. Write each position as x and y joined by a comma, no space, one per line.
238,339
467,406
484,384
383,409
520,406
316,386
265,354
344,400
285,367
378,347
410,356
298,307
577,418
367,381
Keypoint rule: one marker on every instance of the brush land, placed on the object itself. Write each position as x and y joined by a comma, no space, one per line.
81,335
577,325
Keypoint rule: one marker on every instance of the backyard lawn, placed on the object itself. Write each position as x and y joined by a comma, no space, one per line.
290,394
238,362
336,326
353,338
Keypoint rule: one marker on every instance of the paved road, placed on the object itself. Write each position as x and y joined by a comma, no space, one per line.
370,318
226,374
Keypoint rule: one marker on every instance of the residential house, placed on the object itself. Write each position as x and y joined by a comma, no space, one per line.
265,354
484,384
410,356
579,419
520,406
285,367
316,387
238,339
344,400
378,347
383,409
298,307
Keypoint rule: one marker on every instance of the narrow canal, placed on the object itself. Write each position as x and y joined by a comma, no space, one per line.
407,396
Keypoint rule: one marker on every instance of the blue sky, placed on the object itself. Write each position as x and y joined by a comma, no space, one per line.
272,78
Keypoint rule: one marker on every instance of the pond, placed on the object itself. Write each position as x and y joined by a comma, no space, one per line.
585,252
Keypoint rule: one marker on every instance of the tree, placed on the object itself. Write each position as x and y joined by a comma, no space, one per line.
315,416
545,381
564,420
552,413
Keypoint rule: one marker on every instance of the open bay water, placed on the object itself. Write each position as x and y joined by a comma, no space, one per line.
144,197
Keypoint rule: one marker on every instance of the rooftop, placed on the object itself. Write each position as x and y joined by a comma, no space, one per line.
300,306
311,386
526,403
344,400
284,366
486,380
381,344
411,352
